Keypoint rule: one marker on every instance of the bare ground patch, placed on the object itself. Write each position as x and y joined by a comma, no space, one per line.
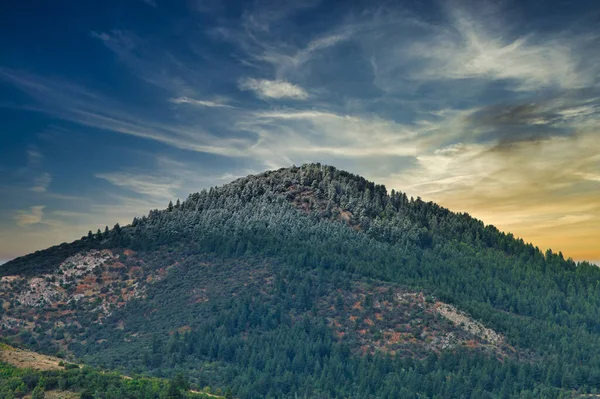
27,359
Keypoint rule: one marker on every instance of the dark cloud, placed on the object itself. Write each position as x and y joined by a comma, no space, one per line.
559,115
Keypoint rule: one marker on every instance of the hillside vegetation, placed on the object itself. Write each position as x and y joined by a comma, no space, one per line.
35,376
313,282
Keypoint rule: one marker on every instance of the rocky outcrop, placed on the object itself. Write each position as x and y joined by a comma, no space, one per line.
468,324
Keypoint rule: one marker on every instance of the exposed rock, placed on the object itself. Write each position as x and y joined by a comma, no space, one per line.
40,292
468,324
83,263
85,287
386,318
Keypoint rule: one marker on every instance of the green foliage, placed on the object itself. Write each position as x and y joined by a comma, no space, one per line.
38,393
88,382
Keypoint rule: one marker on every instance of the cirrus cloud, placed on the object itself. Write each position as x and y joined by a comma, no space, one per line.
201,103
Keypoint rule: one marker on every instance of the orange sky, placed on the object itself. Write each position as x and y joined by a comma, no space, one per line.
547,192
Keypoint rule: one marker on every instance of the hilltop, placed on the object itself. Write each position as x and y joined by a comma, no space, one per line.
311,281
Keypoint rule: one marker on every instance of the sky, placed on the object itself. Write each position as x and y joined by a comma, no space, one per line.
111,108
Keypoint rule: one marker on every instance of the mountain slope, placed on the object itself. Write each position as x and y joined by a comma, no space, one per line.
313,281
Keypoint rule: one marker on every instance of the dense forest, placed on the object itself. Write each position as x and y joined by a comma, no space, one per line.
249,286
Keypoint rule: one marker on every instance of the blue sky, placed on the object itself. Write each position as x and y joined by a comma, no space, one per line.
110,109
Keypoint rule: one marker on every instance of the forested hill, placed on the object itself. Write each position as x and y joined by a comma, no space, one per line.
332,193
313,281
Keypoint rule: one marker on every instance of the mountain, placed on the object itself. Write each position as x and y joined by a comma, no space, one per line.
314,282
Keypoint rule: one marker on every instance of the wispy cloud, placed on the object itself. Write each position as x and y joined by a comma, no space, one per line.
262,48
276,89
470,52
166,180
34,215
160,69
475,45
285,61
264,13
201,103
147,185
74,103
69,214
274,135
307,134
590,176
41,183
34,157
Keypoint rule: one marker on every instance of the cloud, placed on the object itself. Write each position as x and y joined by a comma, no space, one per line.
34,157
69,214
34,215
471,46
147,185
287,62
321,43
41,183
149,62
470,49
590,176
534,120
566,220
266,13
190,177
202,103
546,167
262,35
276,137
276,89
76,104
297,136
166,180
